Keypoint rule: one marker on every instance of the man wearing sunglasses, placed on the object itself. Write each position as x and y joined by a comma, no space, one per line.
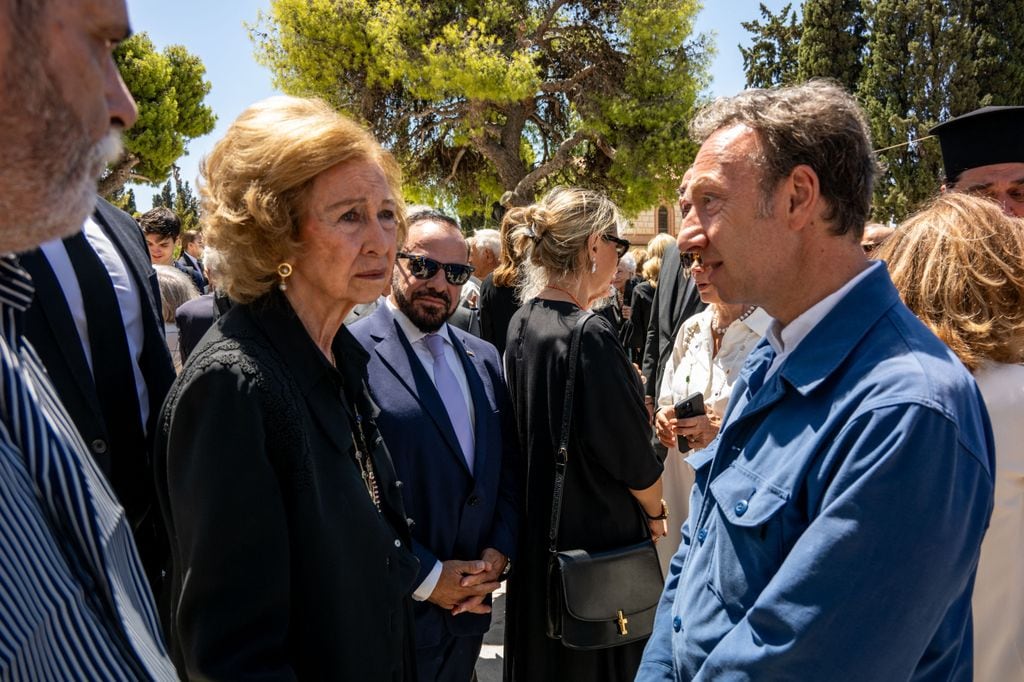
447,422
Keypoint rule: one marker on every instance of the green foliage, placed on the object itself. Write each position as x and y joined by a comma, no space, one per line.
503,98
180,199
169,90
124,199
926,61
771,58
991,70
912,64
832,41
165,198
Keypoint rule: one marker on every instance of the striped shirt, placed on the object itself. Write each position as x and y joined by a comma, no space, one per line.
74,602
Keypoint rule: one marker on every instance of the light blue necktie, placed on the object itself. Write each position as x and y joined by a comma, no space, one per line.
451,395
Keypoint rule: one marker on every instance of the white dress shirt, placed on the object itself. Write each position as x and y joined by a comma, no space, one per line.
127,300
785,339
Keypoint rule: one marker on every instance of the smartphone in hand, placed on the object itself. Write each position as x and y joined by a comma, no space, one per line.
690,406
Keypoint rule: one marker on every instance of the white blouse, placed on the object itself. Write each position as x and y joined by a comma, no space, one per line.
998,600
692,368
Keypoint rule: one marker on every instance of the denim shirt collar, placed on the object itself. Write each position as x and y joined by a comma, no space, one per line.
830,342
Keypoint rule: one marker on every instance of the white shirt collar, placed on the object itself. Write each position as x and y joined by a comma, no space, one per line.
785,339
412,332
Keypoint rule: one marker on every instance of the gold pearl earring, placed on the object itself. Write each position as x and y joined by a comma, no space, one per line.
284,271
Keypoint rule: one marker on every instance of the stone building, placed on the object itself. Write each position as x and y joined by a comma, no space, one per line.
664,217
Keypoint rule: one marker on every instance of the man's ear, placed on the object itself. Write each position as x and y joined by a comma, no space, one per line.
803,196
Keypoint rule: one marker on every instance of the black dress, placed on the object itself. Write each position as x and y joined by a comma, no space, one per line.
497,306
609,452
283,567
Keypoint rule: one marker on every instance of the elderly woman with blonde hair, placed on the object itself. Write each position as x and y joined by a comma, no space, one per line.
959,266
290,546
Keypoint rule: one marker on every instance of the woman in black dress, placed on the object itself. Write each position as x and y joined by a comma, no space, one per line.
291,552
612,492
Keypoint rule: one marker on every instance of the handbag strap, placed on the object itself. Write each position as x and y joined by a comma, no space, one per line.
562,454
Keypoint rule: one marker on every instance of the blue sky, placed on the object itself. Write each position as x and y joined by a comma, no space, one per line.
214,30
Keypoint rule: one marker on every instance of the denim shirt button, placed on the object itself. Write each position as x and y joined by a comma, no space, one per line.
677,623
741,508
702,535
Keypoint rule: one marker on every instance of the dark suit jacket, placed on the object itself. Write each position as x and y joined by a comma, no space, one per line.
50,328
195,317
456,513
198,278
675,300
283,567
467,319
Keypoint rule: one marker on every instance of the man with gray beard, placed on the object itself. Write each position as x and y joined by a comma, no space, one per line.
74,603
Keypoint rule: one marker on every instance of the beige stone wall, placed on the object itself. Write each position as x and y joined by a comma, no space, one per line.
645,224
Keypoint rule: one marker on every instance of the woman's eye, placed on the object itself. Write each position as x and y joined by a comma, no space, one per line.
349,216
387,216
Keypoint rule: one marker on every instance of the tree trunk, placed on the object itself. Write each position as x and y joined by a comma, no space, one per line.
118,175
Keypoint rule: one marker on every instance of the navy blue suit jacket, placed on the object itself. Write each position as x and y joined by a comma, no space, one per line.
456,514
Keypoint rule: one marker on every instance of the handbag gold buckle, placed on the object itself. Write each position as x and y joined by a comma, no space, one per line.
622,621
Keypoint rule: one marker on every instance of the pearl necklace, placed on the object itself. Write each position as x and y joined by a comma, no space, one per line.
720,331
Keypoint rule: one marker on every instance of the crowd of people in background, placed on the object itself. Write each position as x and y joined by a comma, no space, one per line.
315,444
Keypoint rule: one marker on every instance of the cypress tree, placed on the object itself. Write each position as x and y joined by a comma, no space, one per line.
771,58
832,41
913,55
991,70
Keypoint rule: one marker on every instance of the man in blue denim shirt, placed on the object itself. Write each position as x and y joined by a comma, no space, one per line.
836,521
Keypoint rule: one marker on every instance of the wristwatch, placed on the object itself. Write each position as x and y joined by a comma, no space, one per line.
660,517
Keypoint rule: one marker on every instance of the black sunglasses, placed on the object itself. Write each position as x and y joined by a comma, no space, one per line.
689,259
621,245
422,267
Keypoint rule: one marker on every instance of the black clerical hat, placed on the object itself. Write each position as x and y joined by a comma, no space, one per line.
981,138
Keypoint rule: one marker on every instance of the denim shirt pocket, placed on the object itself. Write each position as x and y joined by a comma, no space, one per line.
746,534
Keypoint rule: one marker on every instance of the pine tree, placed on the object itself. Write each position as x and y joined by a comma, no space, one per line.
170,90
124,199
165,197
832,41
186,204
502,99
771,58
913,55
991,71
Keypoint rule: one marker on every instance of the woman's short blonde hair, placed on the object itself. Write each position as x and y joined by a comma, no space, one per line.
551,235
256,184
959,266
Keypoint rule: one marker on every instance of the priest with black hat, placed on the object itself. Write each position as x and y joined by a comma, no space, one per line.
983,153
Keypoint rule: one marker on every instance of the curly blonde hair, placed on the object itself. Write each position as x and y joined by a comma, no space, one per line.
257,180
959,266
551,235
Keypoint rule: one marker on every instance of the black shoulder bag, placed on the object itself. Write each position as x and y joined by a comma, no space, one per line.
596,600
